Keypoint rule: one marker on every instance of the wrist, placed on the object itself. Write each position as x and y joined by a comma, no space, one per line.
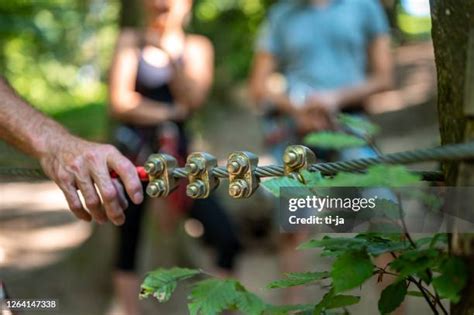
47,139
172,113
336,102
284,104
178,112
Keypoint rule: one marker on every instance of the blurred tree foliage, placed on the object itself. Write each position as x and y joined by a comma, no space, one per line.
232,25
56,52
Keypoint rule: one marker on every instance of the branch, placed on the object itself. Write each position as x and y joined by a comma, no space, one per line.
425,295
405,228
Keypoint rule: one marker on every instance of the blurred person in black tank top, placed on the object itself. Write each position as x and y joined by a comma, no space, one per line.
159,77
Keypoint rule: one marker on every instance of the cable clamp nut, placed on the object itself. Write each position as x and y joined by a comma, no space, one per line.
159,168
243,181
297,158
201,179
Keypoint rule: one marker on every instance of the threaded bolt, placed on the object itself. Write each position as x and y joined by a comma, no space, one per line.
291,158
195,190
195,166
236,165
153,167
156,188
192,167
233,167
238,189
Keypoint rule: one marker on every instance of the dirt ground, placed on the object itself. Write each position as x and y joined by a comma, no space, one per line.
46,253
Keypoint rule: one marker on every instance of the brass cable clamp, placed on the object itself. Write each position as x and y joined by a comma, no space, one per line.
296,159
202,181
159,168
241,166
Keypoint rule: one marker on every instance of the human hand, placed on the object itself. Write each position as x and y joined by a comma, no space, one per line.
327,100
318,112
75,164
312,119
172,45
313,116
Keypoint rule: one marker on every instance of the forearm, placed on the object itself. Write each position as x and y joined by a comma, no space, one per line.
354,96
186,90
24,127
262,91
74,164
380,76
142,111
262,97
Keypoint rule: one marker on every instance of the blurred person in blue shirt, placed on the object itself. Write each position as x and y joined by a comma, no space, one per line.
332,55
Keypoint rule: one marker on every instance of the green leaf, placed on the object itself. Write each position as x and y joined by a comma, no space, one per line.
378,244
433,241
358,125
414,262
332,301
338,301
430,200
350,270
311,179
390,209
298,278
452,280
387,227
376,176
377,249
379,237
161,283
336,245
273,185
415,294
212,296
424,276
288,309
392,297
333,140
249,303
439,238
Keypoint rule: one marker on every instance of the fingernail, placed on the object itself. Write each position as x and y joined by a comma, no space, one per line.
138,198
120,221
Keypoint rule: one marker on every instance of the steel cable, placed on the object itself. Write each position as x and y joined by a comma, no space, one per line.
453,152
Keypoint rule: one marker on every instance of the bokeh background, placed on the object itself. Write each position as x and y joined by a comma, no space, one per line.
56,54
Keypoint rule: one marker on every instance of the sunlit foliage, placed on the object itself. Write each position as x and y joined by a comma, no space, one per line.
56,52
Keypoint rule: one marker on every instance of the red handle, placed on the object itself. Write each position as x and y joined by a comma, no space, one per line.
140,171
